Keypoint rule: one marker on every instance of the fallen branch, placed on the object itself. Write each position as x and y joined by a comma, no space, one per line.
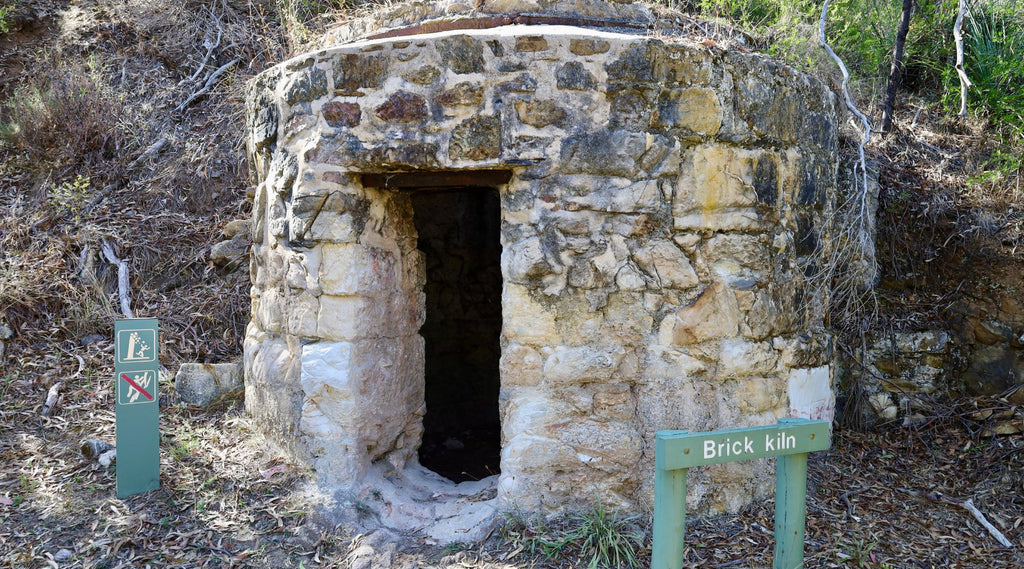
153,149
52,396
210,46
208,85
122,278
968,505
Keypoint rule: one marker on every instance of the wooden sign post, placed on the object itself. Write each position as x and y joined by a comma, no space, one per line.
136,376
676,451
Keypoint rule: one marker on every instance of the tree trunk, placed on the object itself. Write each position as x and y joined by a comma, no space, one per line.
896,71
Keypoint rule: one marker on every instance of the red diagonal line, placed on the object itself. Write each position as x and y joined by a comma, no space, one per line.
136,386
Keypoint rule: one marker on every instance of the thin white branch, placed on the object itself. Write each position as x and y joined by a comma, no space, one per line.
958,36
152,150
210,46
969,506
846,96
122,278
208,85
52,396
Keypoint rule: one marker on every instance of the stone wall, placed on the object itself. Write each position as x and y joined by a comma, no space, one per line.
664,201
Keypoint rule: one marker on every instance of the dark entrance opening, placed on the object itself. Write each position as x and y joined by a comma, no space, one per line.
459,234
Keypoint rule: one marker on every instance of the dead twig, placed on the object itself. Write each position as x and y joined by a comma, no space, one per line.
122,278
968,505
52,396
152,150
208,85
210,45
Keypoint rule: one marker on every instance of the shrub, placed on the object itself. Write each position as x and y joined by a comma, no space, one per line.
61,120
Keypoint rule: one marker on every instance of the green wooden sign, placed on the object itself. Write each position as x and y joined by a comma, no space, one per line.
676,451
136,380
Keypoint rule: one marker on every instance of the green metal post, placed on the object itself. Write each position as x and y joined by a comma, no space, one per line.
790,508
669,512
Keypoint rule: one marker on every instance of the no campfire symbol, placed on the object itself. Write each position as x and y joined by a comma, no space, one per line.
136,387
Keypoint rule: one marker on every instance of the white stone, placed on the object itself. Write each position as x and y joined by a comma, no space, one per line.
200,384
524,260
521,366
301,316
582,365
740,358
810,394
713,315
351,268
667,263
525,320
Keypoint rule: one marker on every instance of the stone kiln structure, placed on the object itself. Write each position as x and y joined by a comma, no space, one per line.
576,235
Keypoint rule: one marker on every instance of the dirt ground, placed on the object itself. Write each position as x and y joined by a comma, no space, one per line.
228,499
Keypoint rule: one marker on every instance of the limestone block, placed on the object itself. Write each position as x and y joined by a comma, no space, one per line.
301,271
271,376
759,400
804,351
694,110
302,310
526,321
269,310
521,366
740,358
810,393
356,317
200,384
327,383
354,269
715,177
387,375
766,318
612,197
743,220
674,364
529,412
611,446
676,404
613,402
713,315
737,256
525,261
580,365
669,267
883,406
629,278
334,227
232,252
